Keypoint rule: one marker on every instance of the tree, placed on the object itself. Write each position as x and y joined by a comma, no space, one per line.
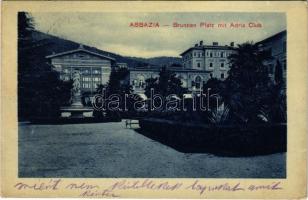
215,85
166,84
149,84
278,74
247,86
116,85
40,91
25,26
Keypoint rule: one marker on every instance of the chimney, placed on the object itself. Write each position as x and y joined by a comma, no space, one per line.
232,44
215,43
196,45
201,43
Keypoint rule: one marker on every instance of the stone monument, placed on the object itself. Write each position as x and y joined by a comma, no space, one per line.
76,110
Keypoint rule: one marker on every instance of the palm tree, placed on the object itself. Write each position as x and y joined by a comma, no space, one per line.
248,82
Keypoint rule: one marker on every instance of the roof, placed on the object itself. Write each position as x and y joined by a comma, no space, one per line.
277,35
50,44
80,49
208,47
173,69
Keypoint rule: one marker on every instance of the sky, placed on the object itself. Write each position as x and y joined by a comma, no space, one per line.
112,32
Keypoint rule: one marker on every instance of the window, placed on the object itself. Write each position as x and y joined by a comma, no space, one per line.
195,54
211,55
198,65
199,55
222,75
222,65
211,65
211,75
96,71
198,81
222,54
207,53
86,85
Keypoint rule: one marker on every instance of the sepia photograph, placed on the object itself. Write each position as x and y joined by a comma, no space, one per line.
152,95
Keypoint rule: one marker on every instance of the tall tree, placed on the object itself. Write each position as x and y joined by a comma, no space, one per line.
166,84
278,73
247,86
25,41
40,91
116,85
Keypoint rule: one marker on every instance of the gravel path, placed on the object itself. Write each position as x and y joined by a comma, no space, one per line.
111,150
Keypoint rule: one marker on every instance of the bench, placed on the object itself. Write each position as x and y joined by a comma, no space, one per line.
129,122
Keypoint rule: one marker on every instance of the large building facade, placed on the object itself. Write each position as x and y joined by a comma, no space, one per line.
199,64
94,68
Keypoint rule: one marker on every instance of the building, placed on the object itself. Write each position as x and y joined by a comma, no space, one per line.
94,68
277,46
199,64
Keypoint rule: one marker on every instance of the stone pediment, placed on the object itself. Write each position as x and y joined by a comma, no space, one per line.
81,54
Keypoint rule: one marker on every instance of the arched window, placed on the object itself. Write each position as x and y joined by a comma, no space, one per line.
198,81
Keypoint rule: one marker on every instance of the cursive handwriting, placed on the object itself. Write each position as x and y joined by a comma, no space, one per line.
95,190
273,186
145,184
221,187
52,184
82,186
97,193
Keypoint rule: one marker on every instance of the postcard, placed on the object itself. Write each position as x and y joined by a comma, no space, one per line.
154,99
